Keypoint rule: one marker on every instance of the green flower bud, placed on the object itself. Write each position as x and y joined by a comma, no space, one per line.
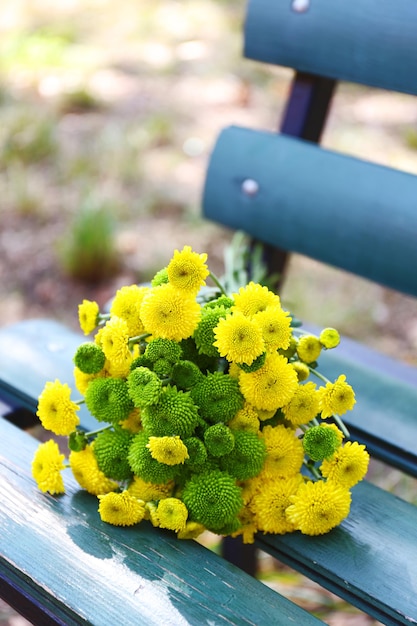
144,387
111,449
89,358
221,301
247,457
160,278
166,349
204,333
175,413
196,451
108,399
213,499
218,397
186,374
320,442
219,440
77,441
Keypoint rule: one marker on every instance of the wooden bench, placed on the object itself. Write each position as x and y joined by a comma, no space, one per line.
59,564
286,191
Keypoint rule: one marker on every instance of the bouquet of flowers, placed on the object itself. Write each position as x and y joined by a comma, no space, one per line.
214,413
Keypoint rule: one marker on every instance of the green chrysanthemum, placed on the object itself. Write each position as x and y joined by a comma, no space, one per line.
256,364
197,453
160,348
247,457
89,358
160,278
108,399
145,466
218,397
190,353
204,333
186,374
144,387
320,443
219,440
222,301
213,499
111,449
174,414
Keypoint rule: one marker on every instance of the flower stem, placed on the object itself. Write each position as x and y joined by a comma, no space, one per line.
217,283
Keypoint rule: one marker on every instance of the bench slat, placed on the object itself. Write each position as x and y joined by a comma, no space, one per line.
370,559
87,571
40,350
340,40
340,210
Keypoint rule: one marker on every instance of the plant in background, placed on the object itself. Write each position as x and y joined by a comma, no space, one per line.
88,251
212,413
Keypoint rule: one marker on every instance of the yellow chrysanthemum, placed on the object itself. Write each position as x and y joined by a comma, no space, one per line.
317,507
301,369
88,312
172,514
336,398
82,380
245,419
254,298
121,509
239,339
118,369
269,505
56,410
248,527
149,491
47,465
272,386
308,348
347,466
168,450
133,422
191,530
329,338
187,270
285,452
303,406
169,313
275,325
114,340
126,305
87,473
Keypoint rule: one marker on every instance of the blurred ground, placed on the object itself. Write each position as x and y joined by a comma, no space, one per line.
116,105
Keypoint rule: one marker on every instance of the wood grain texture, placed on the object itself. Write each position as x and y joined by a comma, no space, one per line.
33,352
365,41
371,559
68,567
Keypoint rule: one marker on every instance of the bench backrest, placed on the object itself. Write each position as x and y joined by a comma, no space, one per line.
297,196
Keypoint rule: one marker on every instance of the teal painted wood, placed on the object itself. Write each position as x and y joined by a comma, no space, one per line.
33,352
59,553
384,417
366,41
370,560
343,211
